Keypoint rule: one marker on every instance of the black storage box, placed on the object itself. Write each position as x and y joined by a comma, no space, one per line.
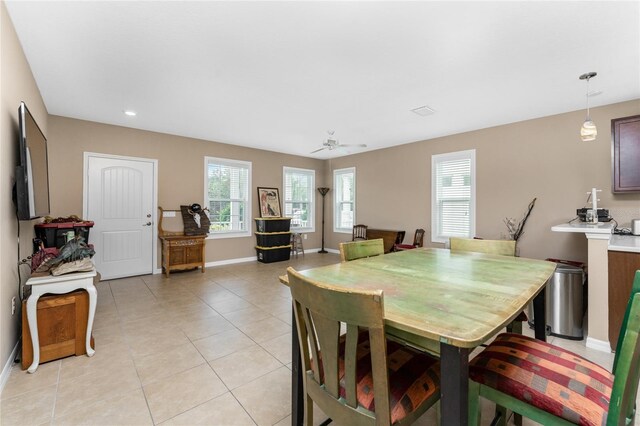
273,239
276,224
273,254
55,234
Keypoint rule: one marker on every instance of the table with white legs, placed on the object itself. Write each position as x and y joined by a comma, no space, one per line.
59,285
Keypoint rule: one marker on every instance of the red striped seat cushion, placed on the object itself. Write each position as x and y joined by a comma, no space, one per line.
413,377
404,246
545,376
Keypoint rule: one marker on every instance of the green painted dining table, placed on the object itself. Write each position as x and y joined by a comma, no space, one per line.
440,301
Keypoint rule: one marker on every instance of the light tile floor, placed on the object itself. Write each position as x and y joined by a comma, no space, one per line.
212,348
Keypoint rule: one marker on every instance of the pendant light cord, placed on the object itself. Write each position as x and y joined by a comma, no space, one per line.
588,113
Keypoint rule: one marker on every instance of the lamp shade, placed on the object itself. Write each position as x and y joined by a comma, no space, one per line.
588,132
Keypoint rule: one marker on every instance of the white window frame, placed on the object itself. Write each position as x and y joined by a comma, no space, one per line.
435,213
311,216
247,210
336,205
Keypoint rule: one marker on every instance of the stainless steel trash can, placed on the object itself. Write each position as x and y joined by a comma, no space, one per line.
565,306
565,301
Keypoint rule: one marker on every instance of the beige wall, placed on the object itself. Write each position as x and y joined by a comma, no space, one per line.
180,171
541,158
17,84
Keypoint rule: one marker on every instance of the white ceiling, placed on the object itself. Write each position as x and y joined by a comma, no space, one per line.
278,75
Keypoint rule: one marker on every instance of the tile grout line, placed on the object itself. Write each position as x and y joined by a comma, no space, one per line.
55,398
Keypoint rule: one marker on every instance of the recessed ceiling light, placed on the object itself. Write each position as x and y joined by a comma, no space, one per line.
130,113
423,111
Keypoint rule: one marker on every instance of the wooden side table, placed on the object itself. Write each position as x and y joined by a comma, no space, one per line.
59,285
180,252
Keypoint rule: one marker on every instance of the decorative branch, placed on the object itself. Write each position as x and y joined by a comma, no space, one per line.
515,232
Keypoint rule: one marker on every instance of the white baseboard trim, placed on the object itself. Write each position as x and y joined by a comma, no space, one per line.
6,370
317,249
599,345
231,261
249,259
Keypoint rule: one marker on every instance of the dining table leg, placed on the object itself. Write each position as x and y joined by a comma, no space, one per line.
297,401
454,385
539,316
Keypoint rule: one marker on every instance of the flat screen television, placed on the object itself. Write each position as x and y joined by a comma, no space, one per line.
32,174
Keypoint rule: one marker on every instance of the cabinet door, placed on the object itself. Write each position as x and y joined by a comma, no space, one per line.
625,135
622,269
194,254
178,255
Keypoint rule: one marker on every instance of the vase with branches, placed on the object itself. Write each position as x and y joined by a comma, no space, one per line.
516,229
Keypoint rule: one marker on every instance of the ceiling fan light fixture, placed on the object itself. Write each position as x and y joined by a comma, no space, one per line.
588,131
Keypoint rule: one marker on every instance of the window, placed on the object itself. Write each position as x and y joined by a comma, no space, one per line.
299,195
453,195
344,182
226,194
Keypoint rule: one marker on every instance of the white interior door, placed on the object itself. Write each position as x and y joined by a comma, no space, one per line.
119,197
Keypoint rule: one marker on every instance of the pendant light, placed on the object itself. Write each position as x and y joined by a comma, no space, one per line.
588,132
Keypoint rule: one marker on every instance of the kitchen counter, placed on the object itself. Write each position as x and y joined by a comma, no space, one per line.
585,228
627,243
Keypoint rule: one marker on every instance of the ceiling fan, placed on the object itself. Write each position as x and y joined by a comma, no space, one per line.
332,143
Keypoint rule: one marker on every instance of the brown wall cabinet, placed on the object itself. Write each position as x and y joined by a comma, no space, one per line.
625,136
622,269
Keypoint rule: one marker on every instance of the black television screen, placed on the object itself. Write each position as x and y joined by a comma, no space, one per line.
32,174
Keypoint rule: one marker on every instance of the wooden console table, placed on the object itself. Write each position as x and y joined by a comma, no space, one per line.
180,252
59,285
389,237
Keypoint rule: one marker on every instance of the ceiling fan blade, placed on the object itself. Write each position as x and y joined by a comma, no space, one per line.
360,145
318,150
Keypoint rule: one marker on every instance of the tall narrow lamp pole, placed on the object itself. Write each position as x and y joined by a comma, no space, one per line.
323,192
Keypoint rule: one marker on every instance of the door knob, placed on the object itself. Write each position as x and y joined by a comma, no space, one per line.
147,224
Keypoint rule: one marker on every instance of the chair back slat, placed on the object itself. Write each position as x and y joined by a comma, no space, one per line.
359,249
380,375
350,361
498,247
418,238
635,288
627,372
328,332
307,354
312,345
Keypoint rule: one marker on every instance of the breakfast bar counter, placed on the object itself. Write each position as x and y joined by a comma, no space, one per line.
598,236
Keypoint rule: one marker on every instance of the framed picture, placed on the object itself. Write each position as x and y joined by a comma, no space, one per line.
269,199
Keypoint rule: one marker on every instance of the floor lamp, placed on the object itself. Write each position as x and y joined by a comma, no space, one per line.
323,192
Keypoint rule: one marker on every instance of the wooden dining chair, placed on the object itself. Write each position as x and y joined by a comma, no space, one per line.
358,249
553,386
502,248
418,241
359,232
357,378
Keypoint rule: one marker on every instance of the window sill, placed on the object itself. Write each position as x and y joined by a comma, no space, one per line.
228,235
343,231
302,230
